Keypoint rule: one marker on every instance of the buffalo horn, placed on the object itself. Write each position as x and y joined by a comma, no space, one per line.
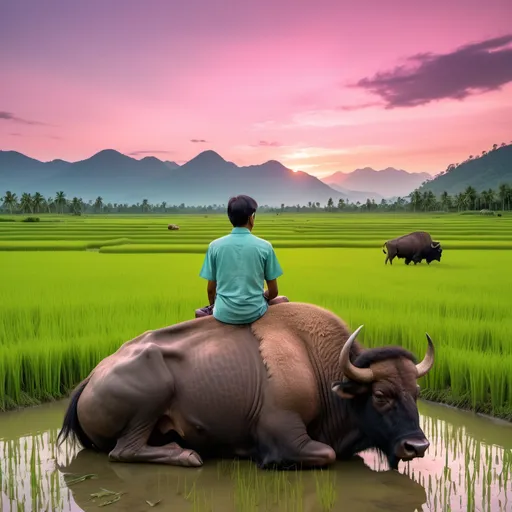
424,367
348,369
434,246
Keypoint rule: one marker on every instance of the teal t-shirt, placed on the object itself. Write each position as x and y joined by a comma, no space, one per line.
240,263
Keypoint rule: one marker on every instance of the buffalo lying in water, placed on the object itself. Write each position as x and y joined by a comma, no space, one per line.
416,247
294,388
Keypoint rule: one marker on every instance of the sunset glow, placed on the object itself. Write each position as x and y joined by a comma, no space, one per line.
318,87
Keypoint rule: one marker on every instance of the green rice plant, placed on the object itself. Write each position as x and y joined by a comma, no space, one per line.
62,312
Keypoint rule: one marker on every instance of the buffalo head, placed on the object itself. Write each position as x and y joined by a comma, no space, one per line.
435,252
382,389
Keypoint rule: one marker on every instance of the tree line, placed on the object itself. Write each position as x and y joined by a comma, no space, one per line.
469,199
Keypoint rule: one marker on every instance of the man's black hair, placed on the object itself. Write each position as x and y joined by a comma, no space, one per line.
240,208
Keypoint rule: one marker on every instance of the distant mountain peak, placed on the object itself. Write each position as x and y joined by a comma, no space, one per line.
150,159
207,157
108,156
387,182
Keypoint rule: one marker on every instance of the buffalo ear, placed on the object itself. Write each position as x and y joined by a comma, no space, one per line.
349,389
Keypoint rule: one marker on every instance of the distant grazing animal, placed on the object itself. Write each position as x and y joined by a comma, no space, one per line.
430,253
173,227
416,246
293,389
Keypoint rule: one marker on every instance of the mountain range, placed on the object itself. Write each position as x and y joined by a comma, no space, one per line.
385,183
206,179
490,170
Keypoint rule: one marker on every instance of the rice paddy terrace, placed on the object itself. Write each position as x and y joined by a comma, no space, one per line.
75,288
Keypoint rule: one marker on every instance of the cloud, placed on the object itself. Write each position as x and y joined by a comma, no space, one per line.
8,116
150,152
267,143
15,134
359,106
471,69
198,141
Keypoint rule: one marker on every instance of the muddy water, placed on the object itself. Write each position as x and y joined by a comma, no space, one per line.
468,467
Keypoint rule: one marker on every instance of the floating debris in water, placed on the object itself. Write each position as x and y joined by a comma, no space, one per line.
81,479
103,494
153,503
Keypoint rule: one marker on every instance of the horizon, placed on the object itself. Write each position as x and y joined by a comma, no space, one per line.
133,78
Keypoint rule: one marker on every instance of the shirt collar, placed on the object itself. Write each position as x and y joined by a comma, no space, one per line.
240,231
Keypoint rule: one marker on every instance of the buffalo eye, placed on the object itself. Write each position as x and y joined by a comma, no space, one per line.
380,397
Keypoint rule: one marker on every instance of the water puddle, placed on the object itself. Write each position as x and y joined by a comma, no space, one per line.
468,467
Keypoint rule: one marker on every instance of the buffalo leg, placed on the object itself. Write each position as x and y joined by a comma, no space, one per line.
133,448
283,443
140,390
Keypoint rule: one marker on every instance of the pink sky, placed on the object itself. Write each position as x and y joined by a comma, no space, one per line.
258,81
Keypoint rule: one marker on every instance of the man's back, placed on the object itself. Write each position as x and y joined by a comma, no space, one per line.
240,263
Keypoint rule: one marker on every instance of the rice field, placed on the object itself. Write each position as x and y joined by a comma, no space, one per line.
75,288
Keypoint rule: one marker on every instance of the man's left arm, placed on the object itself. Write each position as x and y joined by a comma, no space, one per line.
272,271
208,272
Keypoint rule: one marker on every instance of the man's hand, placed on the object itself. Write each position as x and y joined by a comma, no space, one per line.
211,289
272,291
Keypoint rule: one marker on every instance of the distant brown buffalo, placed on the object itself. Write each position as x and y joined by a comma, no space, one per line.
173,227
416,246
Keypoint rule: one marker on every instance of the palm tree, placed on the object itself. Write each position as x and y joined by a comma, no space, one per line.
10,200
416,200
76,206
49,204
164,206
429,200
145,205
400,202
60,200
445,200
460,201
26,203
98,204
471,196
341,204
488,198
37,201
503,193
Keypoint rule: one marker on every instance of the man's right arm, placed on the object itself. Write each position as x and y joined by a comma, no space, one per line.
208,272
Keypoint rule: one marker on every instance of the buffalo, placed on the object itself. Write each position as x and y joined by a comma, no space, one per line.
292,389
416,247
173,227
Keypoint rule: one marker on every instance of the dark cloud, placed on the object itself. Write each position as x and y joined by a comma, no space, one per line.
8,116
197,141
472,69
267,143
150,152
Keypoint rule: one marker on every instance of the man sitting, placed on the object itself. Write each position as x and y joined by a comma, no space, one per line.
236,266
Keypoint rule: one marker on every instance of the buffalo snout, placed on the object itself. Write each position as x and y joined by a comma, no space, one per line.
411,448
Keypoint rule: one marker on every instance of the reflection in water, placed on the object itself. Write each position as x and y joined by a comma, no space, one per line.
468,467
